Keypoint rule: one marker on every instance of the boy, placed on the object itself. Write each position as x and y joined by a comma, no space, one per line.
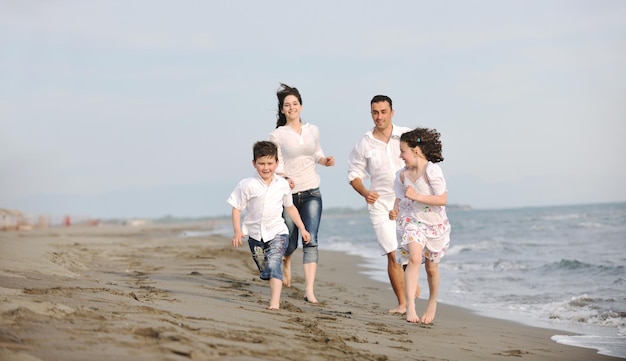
263,197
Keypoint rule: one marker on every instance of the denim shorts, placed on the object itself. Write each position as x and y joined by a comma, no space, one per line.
268,256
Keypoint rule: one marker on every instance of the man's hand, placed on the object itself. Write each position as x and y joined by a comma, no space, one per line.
371,197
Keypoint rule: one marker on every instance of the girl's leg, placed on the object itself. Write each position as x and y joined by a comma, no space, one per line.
432,272
411,278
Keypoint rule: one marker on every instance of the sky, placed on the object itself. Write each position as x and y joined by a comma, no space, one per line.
150,108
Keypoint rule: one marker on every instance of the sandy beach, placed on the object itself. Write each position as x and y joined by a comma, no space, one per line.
116,292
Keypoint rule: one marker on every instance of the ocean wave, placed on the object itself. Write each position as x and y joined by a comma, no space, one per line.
587,310
505,265
567,265
590,270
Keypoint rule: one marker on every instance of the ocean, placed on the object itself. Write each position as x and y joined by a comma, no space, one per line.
561,267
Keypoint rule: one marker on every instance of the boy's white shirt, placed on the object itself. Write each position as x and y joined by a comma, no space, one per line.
263,206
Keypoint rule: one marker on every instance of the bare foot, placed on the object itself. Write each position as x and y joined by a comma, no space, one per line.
398,310
273,308
411,316
429,316
287,272
310,299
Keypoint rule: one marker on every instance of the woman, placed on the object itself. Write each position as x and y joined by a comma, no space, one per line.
298,151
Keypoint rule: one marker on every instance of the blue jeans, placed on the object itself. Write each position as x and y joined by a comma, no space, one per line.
309,204
268,256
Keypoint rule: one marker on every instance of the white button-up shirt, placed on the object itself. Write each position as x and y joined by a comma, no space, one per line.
298,154
263,205
377,160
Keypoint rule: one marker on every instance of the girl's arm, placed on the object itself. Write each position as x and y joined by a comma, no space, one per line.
437,183
431,200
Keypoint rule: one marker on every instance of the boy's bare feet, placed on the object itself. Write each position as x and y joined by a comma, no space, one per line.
287,271
272,308
311,299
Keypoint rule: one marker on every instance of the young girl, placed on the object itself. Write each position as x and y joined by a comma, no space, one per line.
420,214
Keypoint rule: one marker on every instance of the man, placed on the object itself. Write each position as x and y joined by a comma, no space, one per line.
377,157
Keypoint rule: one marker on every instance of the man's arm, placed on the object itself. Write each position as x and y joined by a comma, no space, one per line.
370,196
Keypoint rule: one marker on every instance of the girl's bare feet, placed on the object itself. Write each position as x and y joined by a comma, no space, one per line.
311,299
429,316
411,316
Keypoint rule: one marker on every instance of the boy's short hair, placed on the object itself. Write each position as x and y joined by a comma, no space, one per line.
264,148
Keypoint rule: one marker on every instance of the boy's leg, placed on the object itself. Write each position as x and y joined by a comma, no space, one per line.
274,252
257,248
291,248
276,287
432,272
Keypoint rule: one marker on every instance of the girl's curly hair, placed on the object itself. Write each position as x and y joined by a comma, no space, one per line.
428,141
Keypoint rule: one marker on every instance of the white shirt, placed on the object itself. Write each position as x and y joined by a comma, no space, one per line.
377,160
298,154
264,206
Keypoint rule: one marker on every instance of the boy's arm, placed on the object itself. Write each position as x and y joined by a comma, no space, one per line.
293,213
238,234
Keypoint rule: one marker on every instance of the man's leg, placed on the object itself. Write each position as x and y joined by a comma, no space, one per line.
396,277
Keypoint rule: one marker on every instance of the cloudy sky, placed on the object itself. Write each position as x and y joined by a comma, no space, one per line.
147,108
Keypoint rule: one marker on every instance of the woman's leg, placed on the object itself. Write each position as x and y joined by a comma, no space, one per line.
311,213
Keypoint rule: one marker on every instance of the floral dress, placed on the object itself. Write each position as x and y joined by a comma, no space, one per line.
419,222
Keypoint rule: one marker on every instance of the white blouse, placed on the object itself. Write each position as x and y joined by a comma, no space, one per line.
298,154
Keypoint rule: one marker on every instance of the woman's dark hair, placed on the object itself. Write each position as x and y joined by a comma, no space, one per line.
281,94
427,140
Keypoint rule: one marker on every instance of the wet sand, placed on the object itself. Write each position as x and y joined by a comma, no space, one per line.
147,293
